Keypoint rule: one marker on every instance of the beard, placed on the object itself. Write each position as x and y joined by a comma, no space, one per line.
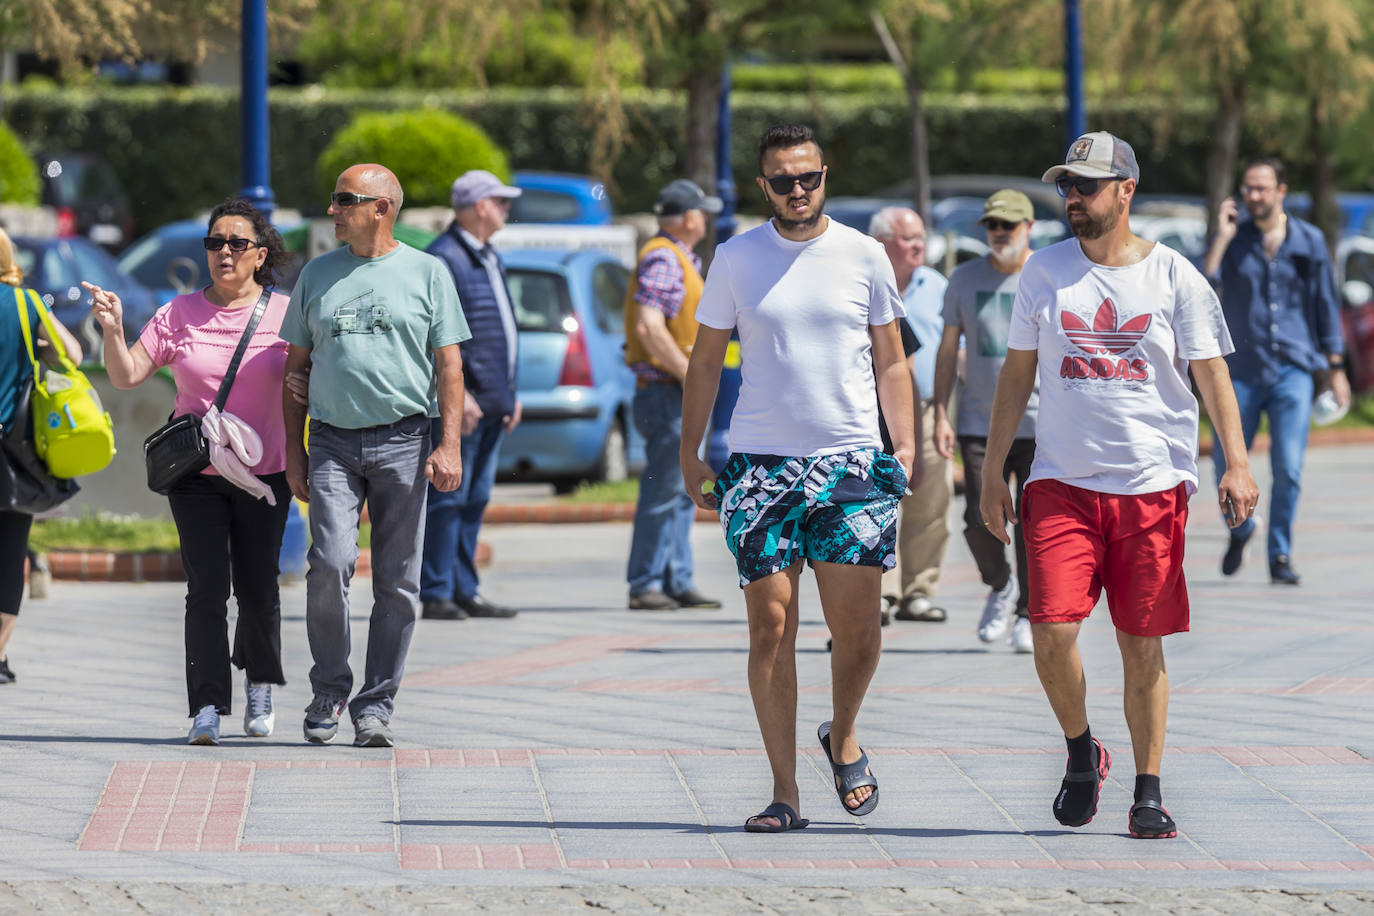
1089,227
1260,212
791,223
1009,251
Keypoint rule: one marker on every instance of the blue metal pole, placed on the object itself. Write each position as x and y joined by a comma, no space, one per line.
257,179
1077,124
725,179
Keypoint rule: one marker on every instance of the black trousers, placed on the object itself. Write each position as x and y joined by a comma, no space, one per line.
14,542
228,538
988,552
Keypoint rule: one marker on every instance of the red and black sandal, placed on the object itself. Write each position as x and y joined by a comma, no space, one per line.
1070,792
1149,821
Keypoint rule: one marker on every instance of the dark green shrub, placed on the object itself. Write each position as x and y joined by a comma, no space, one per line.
426,149
18,171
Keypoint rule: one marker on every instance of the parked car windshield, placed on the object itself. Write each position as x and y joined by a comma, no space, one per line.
540,299
149,259
536,206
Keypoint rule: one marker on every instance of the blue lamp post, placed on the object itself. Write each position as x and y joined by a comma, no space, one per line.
1077,123
257,179
717,445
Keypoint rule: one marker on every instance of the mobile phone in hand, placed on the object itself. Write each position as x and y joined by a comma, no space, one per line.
1231,513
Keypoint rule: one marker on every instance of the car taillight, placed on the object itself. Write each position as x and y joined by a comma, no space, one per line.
577,367
66,222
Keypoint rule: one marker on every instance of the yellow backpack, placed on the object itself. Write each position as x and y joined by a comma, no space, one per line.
72,433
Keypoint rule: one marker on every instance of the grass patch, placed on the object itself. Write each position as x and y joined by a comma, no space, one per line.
104,531
622,491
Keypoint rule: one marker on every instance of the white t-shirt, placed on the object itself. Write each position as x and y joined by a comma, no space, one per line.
1117,413
803,310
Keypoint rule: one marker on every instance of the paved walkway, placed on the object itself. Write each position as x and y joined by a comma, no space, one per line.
583,755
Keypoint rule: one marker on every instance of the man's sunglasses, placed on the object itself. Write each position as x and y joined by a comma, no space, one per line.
349,199
1084,186
238,246
999,225
782,184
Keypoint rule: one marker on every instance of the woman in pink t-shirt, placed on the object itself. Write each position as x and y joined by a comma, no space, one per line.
229,534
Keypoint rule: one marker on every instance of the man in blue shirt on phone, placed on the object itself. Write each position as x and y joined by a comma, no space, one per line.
1278,294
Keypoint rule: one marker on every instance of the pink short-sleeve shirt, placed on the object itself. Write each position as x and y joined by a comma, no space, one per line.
197,339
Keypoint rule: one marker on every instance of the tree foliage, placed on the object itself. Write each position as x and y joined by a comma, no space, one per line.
76,33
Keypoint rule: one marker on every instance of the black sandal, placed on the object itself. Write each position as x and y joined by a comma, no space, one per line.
786,815
849,776
1149,821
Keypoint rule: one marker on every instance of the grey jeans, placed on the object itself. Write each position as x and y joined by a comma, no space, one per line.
384,466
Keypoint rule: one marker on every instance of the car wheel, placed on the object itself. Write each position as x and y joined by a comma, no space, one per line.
613,465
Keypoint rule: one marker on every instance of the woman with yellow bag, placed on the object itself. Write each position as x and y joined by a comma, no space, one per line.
15,372
230,516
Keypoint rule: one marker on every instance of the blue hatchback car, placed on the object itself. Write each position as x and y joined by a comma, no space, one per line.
574,386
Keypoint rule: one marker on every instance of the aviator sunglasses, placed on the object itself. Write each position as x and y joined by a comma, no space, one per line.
238,246
349,199
1084,186
782,184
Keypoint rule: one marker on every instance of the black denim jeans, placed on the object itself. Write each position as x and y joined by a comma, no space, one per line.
988,552
229,538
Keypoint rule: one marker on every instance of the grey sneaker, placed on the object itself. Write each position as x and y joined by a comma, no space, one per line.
205,727
372,731
998,611
322,719
258,718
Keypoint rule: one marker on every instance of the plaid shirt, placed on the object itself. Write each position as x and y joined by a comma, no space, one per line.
660,287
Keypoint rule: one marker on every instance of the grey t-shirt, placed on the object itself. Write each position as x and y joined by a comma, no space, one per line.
978,301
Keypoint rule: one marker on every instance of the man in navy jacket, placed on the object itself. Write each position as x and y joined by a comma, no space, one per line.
448,578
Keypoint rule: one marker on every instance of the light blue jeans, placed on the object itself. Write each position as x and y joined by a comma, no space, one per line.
661,545
384,466
1288,403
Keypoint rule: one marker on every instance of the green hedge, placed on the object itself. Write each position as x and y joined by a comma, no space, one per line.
178,149
18,172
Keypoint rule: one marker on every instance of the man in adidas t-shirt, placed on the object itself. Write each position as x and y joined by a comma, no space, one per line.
1112,323
816,306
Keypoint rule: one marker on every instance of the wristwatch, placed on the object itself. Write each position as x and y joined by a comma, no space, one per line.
1336,362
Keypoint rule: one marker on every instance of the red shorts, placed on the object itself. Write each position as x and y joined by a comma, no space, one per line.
1081,541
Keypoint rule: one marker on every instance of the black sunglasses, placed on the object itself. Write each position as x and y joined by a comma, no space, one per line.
782,184
349,199
238,246
999,225
1085,186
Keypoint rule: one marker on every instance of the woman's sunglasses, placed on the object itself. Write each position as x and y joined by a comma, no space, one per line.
238,246
782,184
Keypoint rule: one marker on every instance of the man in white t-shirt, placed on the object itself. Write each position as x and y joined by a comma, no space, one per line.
1112,323
816,306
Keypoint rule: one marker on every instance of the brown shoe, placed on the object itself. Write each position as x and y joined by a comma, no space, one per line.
694,598
652,601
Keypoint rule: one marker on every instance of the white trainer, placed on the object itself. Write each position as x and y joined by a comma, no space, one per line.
998,611
258,717
1020,638
205,727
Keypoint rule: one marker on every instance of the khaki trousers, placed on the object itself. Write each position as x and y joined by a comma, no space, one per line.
923,530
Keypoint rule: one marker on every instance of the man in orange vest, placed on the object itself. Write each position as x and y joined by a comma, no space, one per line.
660,326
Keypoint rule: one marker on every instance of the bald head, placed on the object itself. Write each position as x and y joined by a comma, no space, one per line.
903,234
375,181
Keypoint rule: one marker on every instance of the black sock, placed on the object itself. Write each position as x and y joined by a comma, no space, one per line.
1147,787
1082,753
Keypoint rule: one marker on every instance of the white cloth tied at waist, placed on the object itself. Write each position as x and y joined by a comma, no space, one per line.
234,449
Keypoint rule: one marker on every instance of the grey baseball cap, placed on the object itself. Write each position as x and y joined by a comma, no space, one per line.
683,195
478,184
1097,155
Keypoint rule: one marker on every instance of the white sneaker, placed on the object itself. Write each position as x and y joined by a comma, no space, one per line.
205,727
998,611
1020,638
258,717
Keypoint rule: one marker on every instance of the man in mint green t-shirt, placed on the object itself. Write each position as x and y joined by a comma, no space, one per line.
364,322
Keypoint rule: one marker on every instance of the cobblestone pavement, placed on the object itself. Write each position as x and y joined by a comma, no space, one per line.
191,899
585,757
